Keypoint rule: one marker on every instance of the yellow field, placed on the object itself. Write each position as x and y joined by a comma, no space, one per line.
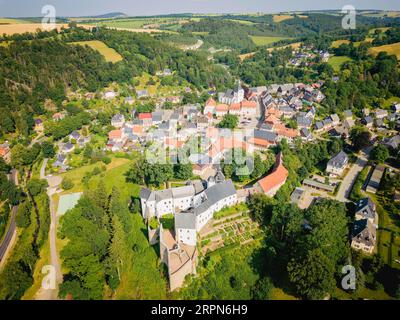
109,53
393,48
246,56
10,29
294,46
338,43
12,21
282,17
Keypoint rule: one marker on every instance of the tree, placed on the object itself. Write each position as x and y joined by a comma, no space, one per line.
48,149
380,153
260,208
287,222
36,186
67,184
4,167
260,167
312,275
360,138
14,281
183,171
23,217
262,289
229,121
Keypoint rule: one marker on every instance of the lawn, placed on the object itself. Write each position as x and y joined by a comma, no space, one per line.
263,41
393,48
109,53
336,62
113,176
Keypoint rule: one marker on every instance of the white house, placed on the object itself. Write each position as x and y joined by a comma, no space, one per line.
337,164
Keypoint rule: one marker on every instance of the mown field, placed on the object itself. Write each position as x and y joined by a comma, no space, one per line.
13,28
336,61
393,48
109,53
263,41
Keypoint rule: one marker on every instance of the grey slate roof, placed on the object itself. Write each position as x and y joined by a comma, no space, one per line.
365,208
185,220
214,194
339,160
265,135
364,232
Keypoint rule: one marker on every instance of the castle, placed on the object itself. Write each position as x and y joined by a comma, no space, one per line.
193,206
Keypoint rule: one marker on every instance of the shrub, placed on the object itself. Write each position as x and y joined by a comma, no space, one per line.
67,184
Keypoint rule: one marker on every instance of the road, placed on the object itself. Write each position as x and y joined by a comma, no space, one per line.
51,294
349,180
12,227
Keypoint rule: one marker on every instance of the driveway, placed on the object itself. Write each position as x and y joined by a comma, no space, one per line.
51,294
349,180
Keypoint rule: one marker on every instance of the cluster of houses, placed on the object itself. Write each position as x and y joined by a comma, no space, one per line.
75,140
381,117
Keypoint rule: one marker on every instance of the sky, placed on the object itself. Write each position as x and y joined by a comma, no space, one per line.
33,8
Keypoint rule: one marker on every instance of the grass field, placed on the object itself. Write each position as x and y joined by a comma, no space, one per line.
338,43
263,41
336,62
109,54
245,22
393,48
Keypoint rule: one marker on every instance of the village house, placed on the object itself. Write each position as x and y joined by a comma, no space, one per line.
5,152
263,139
221,110
347,114
108,95
142,94
248,108
146,119
232,96
75,135
67,147
337,164
210,106
368,121
118,120
129,100
39,127
381,114
58,116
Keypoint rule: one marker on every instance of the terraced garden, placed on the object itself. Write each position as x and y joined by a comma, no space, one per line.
231,230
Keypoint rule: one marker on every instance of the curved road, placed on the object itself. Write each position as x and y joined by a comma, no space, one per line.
12,227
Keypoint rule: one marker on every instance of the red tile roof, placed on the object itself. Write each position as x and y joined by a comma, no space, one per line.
143,116
277,178
249,104
211,102
115,134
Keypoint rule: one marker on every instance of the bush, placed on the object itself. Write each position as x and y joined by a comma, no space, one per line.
67,184
23,217
36,186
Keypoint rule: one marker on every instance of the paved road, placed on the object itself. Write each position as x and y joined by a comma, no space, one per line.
51,294
12,227
348,181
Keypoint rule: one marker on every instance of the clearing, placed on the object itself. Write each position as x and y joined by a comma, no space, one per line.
263,41
337,61
109,53
393,48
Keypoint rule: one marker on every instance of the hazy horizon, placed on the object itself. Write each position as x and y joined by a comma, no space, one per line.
82,8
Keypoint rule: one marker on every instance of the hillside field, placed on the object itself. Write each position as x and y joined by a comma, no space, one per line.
109,53
393,48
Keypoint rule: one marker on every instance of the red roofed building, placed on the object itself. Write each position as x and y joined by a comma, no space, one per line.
115,135
274,181
221,110
234,108
146,118
210,106
285,132
249,107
